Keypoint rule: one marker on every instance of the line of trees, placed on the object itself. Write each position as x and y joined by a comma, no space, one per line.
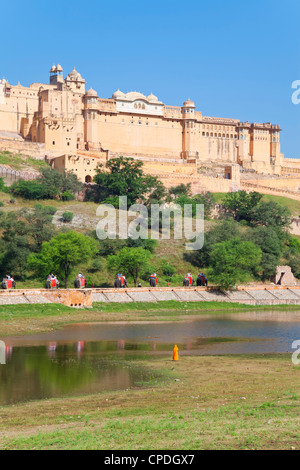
251,238
248,241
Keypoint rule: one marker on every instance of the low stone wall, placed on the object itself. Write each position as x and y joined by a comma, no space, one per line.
252,296
26,175
270,190
69,297
86,297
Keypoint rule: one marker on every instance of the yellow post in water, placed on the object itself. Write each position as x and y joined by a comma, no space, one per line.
175,353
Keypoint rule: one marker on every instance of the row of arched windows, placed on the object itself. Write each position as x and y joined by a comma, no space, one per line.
219,135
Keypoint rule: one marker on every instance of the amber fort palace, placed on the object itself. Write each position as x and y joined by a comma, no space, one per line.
76,129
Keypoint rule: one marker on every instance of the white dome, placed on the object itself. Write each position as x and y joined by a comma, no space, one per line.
74,75
91,92
134,95
189,104
118,95
152,97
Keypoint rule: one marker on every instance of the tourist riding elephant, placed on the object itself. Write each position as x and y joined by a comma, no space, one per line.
153,280
201,280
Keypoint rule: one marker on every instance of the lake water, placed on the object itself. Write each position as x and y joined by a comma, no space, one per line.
90,358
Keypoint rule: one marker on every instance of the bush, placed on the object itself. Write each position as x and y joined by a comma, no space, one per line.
206,199
50,185
50,210
28,189
96,265
112,200
148,243
181,190
67,196
168,270
2,186
67,216
1,204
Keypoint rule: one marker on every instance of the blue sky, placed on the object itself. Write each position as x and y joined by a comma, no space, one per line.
234,59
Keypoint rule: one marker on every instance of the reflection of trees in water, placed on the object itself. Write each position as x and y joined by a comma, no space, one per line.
43,371
30,372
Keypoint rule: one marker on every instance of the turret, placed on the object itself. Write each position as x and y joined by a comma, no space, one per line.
75,82
188,127
56,75
91,121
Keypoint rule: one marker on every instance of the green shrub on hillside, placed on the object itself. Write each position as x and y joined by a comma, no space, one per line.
67,196
168,270
2,186
28,189
205,199
50,185
67,217
51,210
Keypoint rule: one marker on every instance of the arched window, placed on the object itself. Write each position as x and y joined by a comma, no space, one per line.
88,179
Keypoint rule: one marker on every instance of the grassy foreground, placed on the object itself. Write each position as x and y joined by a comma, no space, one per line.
233,402
35,318
199,402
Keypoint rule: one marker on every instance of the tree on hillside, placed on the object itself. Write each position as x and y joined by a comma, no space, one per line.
32,190
23,232
239,204
154,192
267,239
132,262
233,261
291,254
62,253
70,183
40,225
56,183
181,190
206,199
222,231
52,181
270,214
123,177
50,185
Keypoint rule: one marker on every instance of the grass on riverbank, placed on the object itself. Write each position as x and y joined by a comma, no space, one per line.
233,402
35,318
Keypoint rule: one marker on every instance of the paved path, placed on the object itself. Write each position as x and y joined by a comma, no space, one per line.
86,297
